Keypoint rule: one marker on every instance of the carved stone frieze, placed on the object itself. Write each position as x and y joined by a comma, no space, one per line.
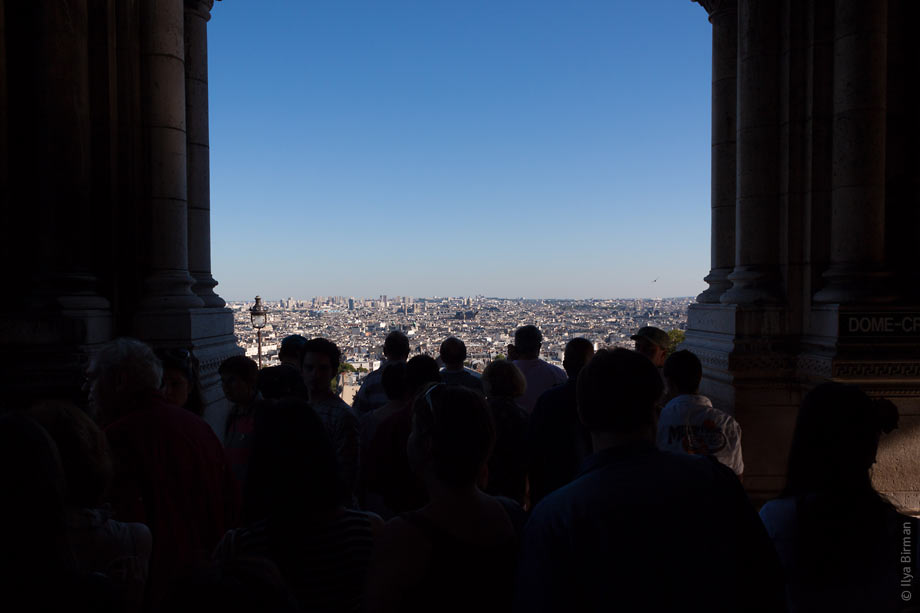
714,7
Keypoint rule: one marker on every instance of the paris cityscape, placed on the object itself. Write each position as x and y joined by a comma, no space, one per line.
485,324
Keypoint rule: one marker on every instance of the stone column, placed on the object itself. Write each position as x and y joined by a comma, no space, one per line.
755,278
723,15
197,14
4,111
168,285
856,272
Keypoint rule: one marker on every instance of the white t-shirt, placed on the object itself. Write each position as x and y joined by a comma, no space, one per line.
688,424
540,377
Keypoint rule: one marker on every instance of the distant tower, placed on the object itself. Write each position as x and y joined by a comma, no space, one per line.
351,304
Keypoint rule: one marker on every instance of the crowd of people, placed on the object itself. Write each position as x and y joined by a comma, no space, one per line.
608,484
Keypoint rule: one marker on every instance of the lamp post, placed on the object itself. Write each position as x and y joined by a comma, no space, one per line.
259,315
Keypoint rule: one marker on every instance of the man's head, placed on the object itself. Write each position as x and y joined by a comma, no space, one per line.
421,370
291,350
653,343
578,352
617,391
396,346
503,378
238,377
320,364
683,373
527,342
453,352
121,370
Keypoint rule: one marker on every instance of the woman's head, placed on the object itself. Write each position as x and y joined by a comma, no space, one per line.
83,449
180,379
503,378
452,433
293,467
836,439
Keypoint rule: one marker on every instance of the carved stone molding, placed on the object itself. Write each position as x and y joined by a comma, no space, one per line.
877,370
715,7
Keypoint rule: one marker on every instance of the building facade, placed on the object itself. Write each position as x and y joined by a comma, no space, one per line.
815,206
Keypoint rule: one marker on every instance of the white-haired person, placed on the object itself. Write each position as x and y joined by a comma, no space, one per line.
170,471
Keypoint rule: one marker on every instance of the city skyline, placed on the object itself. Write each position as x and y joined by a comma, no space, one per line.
522,149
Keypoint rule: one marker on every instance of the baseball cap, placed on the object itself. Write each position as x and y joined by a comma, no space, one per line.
653,334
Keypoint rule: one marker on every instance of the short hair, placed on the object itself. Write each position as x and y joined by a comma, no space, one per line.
453,350
394,381
240,366
140,369
577,353
292,347
83,449
836,438
685,370
323,346
528,339
420,370
396,346
185,362
293,468
503,378
617,391
458,423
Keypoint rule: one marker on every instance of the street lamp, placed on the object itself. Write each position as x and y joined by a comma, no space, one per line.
259,315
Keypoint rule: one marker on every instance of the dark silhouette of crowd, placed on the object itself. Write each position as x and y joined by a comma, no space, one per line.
609,485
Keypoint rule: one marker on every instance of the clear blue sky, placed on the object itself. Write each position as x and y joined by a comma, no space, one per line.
509,148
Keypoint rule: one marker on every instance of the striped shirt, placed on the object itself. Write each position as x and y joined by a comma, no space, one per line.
325,565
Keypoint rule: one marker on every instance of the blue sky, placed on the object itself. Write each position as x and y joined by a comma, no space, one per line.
427,147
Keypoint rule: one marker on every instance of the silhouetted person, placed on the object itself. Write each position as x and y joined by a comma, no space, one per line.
181,380
321,359
689,424
98,543
38,570
841,542
285,379
453,354
238,377
458,552
558,442
399,398
293,512
170,469
504,384
540,375
641,529
387,471
371,395
653,343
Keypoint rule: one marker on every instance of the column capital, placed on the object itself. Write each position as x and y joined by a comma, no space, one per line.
201,7
716,8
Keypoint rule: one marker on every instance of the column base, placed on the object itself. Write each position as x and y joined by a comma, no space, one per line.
718,285
851,285
204,289
752,285
749,372
877,348
167,290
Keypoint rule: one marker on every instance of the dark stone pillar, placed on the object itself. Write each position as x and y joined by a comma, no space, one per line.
723,15
755,278
197,14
